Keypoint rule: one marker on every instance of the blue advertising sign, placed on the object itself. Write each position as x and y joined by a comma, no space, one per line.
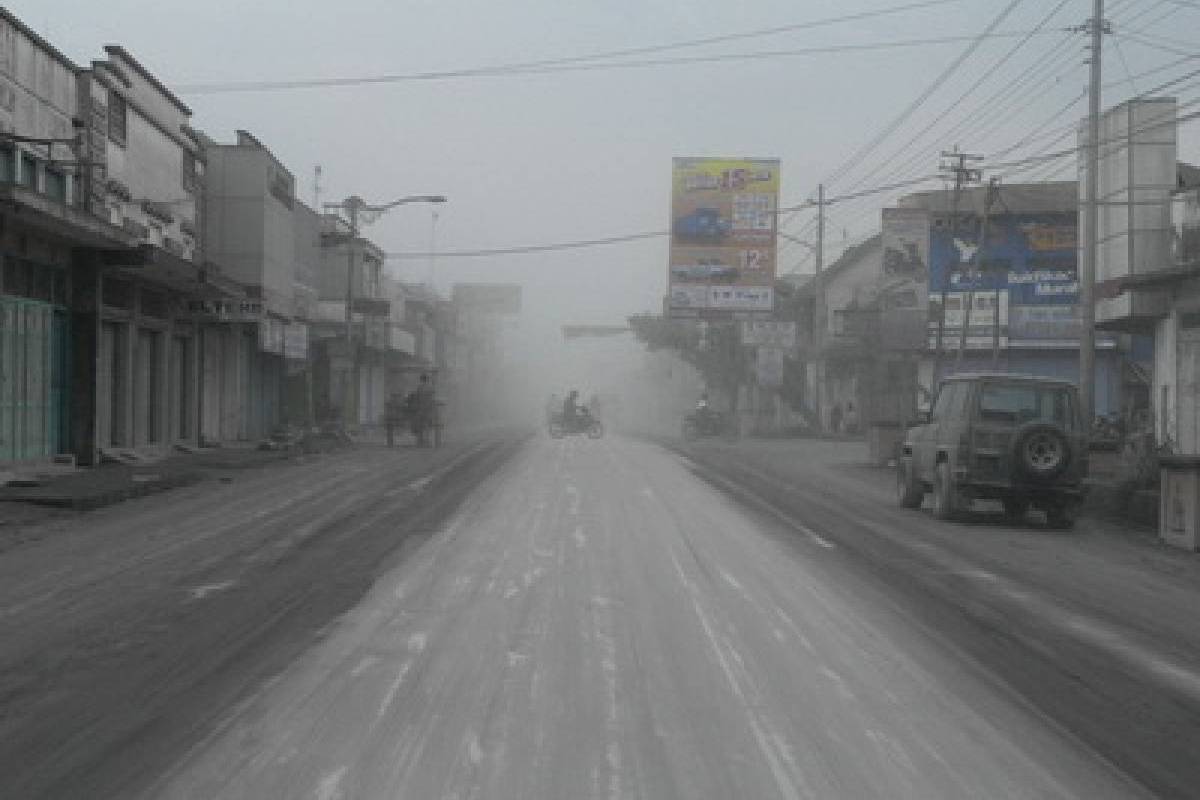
1031,260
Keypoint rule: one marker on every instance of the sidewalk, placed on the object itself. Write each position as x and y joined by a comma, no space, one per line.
94,487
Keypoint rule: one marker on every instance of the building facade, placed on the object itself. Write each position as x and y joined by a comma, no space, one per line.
254,231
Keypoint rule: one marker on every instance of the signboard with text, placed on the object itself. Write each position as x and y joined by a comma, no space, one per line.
723,224
1028,269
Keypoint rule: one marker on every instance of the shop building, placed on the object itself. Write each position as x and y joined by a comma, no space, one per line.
251,230
350,337
143,172
47,292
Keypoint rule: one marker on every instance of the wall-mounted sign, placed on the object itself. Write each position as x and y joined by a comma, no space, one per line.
226,310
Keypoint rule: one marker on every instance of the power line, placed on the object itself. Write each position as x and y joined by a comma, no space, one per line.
531,69
1113,142
990,73
912,107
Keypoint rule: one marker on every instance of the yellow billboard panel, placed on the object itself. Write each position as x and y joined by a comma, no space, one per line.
723,221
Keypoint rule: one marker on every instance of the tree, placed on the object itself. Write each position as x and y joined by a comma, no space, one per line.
716,353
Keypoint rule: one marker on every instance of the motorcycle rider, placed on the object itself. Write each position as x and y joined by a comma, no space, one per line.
571,409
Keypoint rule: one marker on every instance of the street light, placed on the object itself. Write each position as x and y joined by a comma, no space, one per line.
358,210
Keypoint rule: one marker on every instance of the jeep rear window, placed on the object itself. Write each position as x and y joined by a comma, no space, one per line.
1027,404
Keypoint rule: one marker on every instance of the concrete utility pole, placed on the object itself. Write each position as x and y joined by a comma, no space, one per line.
954,162
1096,27
352,205
977,266
993,194
819,307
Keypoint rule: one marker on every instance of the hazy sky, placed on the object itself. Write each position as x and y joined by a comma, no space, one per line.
543,158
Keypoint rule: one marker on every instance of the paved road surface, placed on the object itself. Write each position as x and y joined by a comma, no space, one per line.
126,632
596,621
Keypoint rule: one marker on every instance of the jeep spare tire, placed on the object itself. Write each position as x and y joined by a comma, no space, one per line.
1041,452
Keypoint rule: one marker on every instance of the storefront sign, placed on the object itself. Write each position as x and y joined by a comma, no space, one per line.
226,310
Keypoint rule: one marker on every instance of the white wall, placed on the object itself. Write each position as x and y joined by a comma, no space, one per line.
37,92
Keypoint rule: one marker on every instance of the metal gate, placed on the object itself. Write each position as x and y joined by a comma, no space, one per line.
34,372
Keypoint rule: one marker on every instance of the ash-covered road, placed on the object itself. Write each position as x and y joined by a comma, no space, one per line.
597,621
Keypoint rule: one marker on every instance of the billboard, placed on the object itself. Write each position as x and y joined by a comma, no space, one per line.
1031,261
905,233
488,298
723,219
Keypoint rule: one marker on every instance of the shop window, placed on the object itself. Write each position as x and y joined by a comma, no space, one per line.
28,177
118,122
56,185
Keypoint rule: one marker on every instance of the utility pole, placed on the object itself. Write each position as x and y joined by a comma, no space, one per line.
954,162
977,266
349,380
819,308
1096,27
994,194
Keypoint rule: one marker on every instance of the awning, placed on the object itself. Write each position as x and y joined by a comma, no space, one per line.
59,219
1155,280
156,265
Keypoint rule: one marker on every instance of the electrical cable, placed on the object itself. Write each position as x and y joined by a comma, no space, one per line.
925,94
986,76
522,70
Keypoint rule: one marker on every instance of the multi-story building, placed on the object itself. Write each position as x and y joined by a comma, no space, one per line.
100,351
143,169
48,293
1005,261
254,231
350,338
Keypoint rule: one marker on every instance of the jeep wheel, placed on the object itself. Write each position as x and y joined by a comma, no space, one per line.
945,494
1016,509
1041,452
909,492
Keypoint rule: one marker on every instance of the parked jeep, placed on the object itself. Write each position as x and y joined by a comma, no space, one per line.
1013,438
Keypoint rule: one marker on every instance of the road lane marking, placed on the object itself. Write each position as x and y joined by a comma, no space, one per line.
201,592
394,687
330,787
770,743
782,516
363,665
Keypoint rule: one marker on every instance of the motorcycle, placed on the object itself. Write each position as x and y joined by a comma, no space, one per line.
582,424
708,423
